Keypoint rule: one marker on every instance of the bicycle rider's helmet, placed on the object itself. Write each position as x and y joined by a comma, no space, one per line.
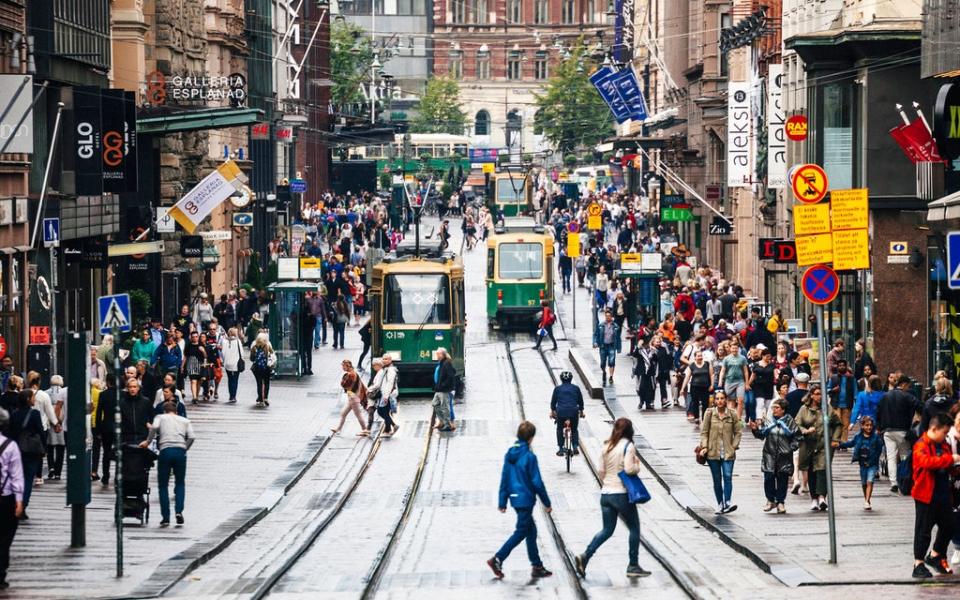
566,376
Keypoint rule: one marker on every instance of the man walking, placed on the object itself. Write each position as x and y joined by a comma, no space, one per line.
895,415
444,384
11,496
520,481
607,339
175,436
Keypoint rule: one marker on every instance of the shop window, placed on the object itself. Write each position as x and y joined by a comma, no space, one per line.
838,138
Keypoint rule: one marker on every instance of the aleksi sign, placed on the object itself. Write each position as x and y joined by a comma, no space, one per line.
739,117
776,140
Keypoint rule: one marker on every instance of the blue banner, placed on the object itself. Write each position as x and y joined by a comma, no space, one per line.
604,80
629,89
619,24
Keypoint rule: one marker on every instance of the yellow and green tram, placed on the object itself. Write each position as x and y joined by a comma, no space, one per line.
418,306
513,193
520,268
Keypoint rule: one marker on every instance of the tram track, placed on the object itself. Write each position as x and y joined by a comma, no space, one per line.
682,581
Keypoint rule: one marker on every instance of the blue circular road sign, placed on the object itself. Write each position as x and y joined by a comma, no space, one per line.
820,284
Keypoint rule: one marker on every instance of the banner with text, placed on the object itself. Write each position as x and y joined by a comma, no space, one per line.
739,119
602,79
776,136
216,187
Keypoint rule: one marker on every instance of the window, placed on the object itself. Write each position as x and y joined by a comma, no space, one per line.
481,123
838,142
411,7
456,64
82,30
541,11
513,67
480,12
457,11
590,11
483,63
521,261
515,11
725,21
416,299
540,69
568,9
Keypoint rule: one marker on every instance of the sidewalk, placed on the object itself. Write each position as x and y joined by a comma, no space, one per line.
873,547
243,461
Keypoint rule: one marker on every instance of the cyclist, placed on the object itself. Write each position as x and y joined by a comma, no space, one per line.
567,405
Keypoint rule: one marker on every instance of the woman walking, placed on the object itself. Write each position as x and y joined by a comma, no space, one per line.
812,457
195,355
26,428
356,393
382,389
231,351
777,460
698,381
262,361
719,440
618,455
341,316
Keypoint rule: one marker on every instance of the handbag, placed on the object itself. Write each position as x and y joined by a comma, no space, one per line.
701,458
636,491
28,441
241,365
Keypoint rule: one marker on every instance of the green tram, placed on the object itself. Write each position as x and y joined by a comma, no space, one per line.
418,305
520,268
513,193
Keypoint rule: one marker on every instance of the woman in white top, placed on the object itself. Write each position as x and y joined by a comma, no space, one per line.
231,349
619,454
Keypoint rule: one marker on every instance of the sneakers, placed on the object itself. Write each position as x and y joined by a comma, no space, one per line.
729,508
165,523
796,489
921,572
814,505
939,564
495,566
956,557
823,503
781,509
580,564
637,571
179,518
768,507
893,490
560,452
866,505
540,571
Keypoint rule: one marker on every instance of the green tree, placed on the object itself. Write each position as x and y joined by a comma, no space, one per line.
440,108
571,112
350,60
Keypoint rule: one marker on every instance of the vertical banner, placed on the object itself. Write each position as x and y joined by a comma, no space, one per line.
776,135
112,129
739,119
130,172
86,146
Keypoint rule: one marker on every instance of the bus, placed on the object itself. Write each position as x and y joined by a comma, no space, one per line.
445,151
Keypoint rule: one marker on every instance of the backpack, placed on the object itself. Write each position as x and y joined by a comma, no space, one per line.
260,360
904,472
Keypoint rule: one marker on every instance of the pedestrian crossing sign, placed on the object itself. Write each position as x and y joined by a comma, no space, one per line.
114,313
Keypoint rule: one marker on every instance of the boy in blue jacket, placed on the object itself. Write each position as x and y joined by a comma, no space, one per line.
520,481
867,448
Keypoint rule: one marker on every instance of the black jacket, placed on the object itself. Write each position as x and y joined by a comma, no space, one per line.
896,410
135,413
447,378
664,360
933,406
567,400
834,390
106,406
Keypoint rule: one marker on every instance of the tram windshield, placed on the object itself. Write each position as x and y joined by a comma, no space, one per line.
411,299
521,261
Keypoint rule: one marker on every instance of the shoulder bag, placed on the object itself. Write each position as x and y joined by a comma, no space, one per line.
241,365
28,441
636,491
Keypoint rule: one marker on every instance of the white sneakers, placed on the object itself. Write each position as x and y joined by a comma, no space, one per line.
955,559
866,505
768,507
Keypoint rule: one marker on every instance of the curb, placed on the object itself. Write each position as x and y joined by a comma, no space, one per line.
767,558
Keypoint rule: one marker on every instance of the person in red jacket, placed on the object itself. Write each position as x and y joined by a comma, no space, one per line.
931,492
546,325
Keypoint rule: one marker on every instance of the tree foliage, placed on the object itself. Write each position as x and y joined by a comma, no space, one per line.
571,112
440,108
350,59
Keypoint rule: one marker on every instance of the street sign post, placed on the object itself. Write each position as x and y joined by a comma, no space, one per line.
594,218
51,233
165,223
114,313
953,260
820,286
809,183
78,457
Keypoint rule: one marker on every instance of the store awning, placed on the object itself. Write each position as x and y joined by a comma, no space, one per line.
945,208
199,120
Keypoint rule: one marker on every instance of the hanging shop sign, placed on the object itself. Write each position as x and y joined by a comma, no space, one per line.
86,149
796,128
191,246
739,118
776,137
22,134
720,226
602,79
212,190
781,252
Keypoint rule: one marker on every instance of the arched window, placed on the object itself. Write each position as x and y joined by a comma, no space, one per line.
481,123
514,127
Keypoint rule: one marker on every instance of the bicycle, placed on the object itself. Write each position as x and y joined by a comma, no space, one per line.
568,442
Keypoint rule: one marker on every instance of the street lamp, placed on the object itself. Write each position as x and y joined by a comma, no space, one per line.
211,257
374,67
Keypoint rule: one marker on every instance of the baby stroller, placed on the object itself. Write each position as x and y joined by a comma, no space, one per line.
136,482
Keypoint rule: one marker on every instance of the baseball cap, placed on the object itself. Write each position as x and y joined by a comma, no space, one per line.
802,378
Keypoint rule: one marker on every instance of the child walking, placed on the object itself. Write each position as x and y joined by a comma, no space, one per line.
867,448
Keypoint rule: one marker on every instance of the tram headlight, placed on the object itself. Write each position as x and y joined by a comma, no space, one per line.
394,354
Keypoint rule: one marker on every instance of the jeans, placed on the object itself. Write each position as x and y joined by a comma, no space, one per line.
363,354
565,276
233,381
775,487
574,433
55,459
339,332
384,412
722,488
8,530
928,515
32,467
320,331
897,448
306,358
175,459
749,406
263,384
608,356
549,329
450,403
612,506
526,530
662,383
